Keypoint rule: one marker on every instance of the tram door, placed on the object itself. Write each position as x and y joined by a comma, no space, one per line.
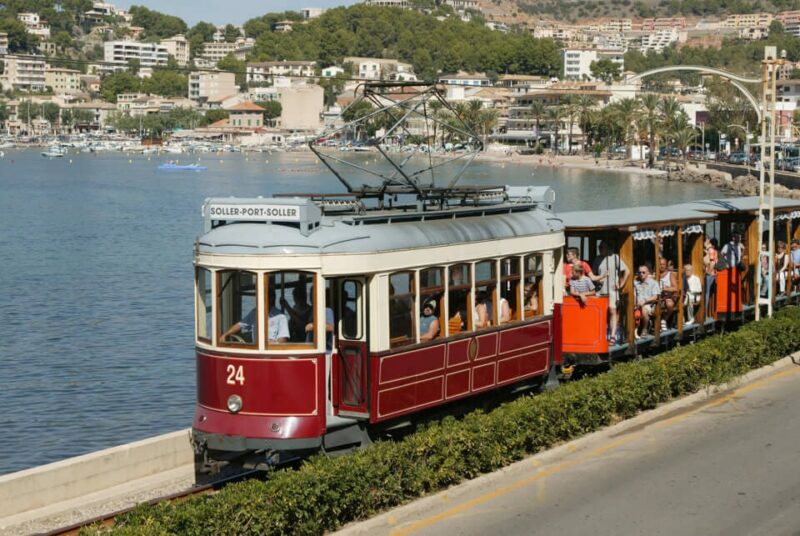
351,370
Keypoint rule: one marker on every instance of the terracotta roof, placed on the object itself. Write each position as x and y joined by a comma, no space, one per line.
246,107
220,123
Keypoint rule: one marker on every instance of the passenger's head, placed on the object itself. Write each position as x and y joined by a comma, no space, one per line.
530,288
687,270
429,308
643,272
572,254
714,243
603,247
577,270
795,243
662,264
299,294
781,245
735,238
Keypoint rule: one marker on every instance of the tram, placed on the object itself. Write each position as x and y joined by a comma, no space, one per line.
319,318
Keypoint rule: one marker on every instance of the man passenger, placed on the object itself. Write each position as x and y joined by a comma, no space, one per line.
571,258
612,273
580,286
647,293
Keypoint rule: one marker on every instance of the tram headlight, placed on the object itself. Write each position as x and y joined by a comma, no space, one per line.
234,403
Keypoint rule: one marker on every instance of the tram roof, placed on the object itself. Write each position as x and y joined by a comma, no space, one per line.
739,204
345,234
633,216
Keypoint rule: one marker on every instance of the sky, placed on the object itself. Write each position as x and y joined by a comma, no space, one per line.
226,11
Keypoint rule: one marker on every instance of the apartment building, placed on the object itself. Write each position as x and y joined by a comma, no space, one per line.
63,81
466,79
663,23
205,85
102,10
215,51
267,70
24,73
312,12
178,47
463,5
404,4
578,61
34,24
148,54
615,25
3,43
378,68
748,20
658,40
788,17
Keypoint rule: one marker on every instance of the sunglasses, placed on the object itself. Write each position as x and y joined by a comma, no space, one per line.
643,273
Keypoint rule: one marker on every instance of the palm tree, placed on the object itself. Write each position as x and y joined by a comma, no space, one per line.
570,112
670,112
555,114
538,111
585,106
628,112
650,120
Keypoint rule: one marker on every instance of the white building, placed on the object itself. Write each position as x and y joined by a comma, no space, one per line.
206,85
34,25
63,81
578,61
148,54
465,79
215,51
24,73
658,40
178,47
103,10
312,12
330,72
404,4
267,70
463,5
3,43
378,68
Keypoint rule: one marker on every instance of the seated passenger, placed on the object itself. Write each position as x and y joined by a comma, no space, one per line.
428,322
531,304
693,289
580,286
647,293
481,315
571,258
299,315
669,290
277,325
506,312
247,326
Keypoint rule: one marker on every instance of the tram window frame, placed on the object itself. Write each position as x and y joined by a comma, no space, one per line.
344,299
237,313
204,304
538,273
410,298
435,293
490,287
311,293
513,282
466,285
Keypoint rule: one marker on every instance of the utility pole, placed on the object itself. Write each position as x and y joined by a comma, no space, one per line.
769,76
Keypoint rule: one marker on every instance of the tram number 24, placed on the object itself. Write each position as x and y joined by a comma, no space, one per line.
235,374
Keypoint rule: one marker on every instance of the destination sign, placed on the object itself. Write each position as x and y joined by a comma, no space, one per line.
254,212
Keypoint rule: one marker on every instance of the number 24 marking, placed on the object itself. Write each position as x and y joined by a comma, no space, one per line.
235,374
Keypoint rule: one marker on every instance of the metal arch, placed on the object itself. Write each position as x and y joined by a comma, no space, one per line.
734,79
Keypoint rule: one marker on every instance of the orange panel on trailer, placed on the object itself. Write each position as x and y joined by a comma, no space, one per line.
729,291
584,327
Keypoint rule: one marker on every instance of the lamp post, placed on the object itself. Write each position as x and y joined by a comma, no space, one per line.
746,147
769,71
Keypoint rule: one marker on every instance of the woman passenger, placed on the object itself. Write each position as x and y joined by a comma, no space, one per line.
428,322
669,290
710,259
531,303
781,267
480,316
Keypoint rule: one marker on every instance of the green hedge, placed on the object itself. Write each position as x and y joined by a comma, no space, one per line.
326,493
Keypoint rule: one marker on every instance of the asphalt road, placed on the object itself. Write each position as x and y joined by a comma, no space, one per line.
724,464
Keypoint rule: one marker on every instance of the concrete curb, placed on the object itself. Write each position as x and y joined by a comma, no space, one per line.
427,505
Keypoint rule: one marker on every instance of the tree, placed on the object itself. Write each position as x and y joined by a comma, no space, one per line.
156,24
585,105
19,40
51,112
627,112
212,116
119,82
272,109
166,83
605,70
4,113
538,110
231,33
555,115
650,120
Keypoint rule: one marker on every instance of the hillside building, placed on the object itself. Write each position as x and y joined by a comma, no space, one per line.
208,85
178,47
24,73
147,54
578,61
63,81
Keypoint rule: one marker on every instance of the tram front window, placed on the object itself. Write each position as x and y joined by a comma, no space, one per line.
203,302
238,307
459,301
290,306
508,310
485,295
402,318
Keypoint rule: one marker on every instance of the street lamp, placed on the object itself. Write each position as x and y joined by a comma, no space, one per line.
746,148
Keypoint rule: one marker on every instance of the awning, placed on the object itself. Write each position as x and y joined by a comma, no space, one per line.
650,234
693,228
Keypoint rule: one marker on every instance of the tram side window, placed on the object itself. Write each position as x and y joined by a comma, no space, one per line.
402,318
459,299
351,322
532,297
485,295
431,290
290,306
204,304
509,306
238,307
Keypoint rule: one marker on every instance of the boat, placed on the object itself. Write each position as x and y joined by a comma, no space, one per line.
7,145
170,166
54,152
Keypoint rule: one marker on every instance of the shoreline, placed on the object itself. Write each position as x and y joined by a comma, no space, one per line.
570,162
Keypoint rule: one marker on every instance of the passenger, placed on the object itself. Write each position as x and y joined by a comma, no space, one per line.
571,258
733,251
781,267
647,293
428,322
277,325
795,259
481,315
531,304
580,286
764,265
669,291
329,325
612,273
300,315
693,289
710,259
506,311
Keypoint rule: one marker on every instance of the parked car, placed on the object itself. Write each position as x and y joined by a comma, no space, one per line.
739,159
